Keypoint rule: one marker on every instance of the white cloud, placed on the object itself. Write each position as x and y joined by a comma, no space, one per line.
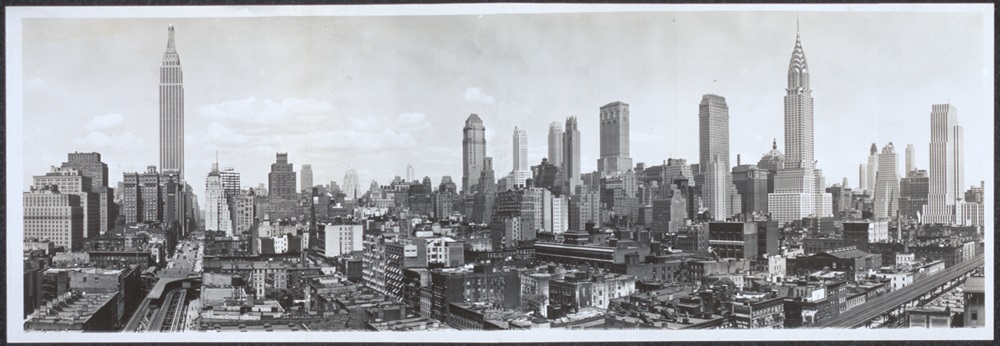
477,95
105,122
116,142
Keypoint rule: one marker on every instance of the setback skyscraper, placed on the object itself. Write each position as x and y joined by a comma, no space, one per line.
887,184
306,178
282,196
797,190
556,144
713,139
945,181
910,164
171,110
521,171
614,139
473,151
91,166
352,186
571,155
872,168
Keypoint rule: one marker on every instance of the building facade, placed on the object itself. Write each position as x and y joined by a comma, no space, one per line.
946,165
473,152
171,109
614,127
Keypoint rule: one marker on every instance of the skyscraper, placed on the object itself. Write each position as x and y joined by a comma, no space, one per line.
352,186
945,181
217,216
614,139
473,151
913,190
555,144
520,149
171,110
91,166
872,167
887,184
306,177
797,190
713,139
571,155
910,164
521,171
410,175
862,177
230,182
282,196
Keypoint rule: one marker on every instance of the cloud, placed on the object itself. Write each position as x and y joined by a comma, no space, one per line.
477,95
308,126
117,142
105,122
255,115
37,85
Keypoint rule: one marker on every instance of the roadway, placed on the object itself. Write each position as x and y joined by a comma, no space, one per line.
860,315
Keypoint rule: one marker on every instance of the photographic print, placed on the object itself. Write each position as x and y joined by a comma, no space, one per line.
500,173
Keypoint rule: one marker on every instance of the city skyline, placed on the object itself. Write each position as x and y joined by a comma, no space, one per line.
222,125
359,97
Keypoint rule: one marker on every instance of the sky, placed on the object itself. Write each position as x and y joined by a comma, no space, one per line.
376,93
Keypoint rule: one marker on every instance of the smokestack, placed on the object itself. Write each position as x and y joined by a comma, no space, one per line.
737,159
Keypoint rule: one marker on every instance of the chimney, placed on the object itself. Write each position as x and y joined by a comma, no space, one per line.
737,159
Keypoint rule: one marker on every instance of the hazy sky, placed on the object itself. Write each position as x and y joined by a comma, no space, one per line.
376,93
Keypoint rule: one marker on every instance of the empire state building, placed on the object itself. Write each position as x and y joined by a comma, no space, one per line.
798,187
171,110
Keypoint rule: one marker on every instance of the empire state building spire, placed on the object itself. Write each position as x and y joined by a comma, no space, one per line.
171,110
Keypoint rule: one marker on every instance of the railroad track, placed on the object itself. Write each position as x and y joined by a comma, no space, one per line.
858,316
168,317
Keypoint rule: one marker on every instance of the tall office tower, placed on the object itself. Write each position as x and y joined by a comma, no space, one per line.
171,110
243,211
521,171
149,192
713,193
797,193
913,190
91,166
844,183
713,145
306,178
555,144
281,180
614,139
946,165
571,155
352,186
473,151
217,216
872,168
862,177
283,200
887,184
410,176
910,164
230,182
751,184
485,194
